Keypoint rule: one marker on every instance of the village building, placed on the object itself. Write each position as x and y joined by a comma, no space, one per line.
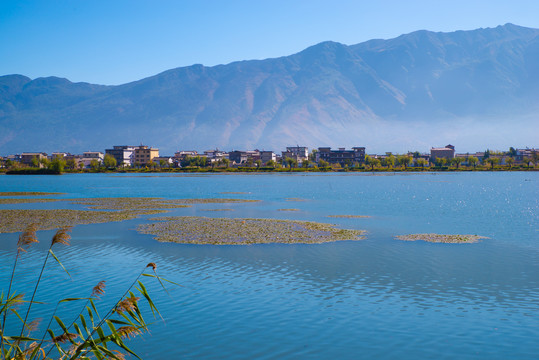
447,152
28,158
298,153
124,154
266,156
144,154
341,156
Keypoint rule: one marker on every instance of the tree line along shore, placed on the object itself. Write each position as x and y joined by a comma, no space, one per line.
446,160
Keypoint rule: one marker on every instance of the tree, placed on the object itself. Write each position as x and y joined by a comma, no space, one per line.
422,162
456,161
306,163
390,160
526,160
162,163
258,163
404,160
323,163
493,161
512,152
441,161
57,165
271,163
290,162
94,164
535,158
110,161
472,160
225,162
312,155
35,161
71,164
44,161
369,161
510,160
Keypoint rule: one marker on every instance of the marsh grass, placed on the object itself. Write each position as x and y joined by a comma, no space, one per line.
221,231
127,203
440,238
15,220
27,193
348,216
9,201
88,335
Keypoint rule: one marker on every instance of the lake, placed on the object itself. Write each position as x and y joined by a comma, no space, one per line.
375,298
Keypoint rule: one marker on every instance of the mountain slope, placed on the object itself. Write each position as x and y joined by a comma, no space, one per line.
414,90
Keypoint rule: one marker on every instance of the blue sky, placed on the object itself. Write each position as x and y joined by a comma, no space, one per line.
117,41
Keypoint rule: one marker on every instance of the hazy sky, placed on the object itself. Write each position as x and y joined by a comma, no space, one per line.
117,41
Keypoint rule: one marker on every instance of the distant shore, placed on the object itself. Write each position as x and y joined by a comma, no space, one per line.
37,171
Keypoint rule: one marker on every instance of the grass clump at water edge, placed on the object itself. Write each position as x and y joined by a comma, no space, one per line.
440,238
225,231
16,220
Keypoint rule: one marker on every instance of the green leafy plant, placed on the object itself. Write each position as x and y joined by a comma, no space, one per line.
88,335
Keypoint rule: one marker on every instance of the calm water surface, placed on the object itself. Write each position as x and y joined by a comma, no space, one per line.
376,298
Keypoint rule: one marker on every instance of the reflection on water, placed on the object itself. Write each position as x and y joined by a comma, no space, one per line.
376,298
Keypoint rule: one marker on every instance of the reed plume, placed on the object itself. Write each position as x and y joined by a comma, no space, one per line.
61,237
98,290
128,332
128,304
64,338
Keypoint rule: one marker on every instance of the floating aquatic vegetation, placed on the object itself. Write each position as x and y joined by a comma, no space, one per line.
210,201
349,216
234,192
287,209
6,201
217,209
128,203
221,231
439,238
17,220
295,199
27,193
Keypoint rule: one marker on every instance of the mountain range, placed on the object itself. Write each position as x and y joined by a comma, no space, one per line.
473,89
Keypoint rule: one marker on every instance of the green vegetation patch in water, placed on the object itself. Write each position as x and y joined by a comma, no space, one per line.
287,209
349,216
17,220
7,201
124,203
439,238
27,193
295,199
234,192
210,201
225,231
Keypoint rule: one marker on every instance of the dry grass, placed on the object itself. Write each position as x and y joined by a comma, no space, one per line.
9,201
124,203
348,216
16,220
439,238
210,201
27,193
221,231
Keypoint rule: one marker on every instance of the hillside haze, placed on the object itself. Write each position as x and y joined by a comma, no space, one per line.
470,88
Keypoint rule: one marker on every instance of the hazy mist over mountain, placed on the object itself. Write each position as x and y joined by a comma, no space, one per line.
473,89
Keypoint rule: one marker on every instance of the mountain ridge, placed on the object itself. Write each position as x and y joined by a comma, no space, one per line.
328,94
